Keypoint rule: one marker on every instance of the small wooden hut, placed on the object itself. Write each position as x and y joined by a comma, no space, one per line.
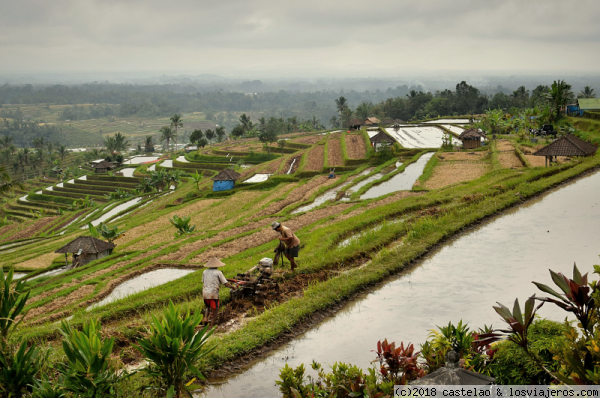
103,166
85,249
471,138
569,145
380,140
355,124
225,180
371,121
387,121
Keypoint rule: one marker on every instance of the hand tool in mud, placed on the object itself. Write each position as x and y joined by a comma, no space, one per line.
279,253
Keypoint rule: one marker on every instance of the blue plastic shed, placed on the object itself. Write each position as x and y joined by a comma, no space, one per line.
225,180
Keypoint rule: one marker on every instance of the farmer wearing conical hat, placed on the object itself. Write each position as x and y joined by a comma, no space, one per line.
212,279
290,240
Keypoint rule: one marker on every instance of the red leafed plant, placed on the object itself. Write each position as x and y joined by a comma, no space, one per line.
400,364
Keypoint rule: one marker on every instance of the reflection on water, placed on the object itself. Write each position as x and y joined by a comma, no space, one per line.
463,279
258,178
329,195
49,273
417,137
167,163
128,172
116,210
18,275
143,282
401,181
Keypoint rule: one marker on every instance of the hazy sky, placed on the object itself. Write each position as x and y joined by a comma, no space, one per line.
307,37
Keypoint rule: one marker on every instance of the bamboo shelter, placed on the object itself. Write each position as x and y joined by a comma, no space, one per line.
569,145
225,180
103,166
471,138
355,124
85,249
381,140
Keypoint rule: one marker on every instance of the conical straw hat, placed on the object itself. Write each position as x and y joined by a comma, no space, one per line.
214,263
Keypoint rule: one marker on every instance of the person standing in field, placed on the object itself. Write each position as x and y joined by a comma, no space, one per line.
290,240
212,279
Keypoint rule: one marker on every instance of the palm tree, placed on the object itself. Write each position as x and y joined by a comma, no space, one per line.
341,104
149,144
209,135
50,147
62,151
167,134
245,122
176,121
587,92
220,132
558,96
116,143
6,182
6,141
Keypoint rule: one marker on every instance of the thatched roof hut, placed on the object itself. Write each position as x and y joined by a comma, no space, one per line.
371,120
569,145
471,138
380,140
86,249
103,166
225,180
387,121
355,124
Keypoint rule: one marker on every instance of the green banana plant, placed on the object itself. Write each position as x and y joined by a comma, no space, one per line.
182,224
173,346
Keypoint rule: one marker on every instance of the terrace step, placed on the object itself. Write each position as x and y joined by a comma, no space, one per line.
102,188
23,208
16,218
91,191
109,184
74,196
23,214
48,205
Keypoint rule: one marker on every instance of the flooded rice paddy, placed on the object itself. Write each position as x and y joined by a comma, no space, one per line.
167,163
143,282
454,129
258,178
461,280
400,182
449,121
152,168
417,137
128,172
50,273
182,159
116,210
18,275
140,159
329,195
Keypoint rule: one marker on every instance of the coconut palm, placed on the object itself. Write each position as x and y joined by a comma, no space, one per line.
341,104
50,148
245,122
149,144
167,134
587,92
220,132
209,135
62,151
558,96
6,182
176,121
116,143
6,141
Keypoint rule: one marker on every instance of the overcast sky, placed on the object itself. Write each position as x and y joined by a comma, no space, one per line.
299,38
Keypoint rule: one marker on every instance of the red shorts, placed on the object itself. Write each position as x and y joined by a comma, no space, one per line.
213,304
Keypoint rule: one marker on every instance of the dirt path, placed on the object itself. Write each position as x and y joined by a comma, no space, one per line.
334,153
355,146
315,158
507,156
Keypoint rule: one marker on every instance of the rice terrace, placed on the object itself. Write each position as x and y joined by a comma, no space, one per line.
111,243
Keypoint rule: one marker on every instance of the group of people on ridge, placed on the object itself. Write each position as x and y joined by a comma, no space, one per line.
213,278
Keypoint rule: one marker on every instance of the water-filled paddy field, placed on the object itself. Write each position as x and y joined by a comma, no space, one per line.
461,280
417,137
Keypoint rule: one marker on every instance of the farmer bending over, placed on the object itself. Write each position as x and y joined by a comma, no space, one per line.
212,279
291,241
